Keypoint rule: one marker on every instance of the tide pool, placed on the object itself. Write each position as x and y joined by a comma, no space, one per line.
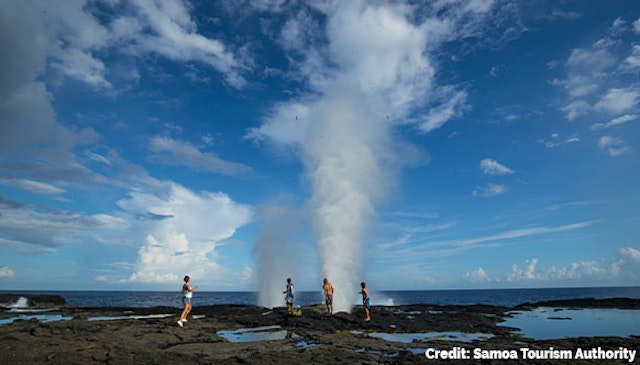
547,323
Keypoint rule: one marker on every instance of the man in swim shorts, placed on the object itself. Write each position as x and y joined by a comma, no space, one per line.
366,302
328,295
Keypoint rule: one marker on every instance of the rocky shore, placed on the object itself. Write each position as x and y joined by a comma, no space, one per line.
240,334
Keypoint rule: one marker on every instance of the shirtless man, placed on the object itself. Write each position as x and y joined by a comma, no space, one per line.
366,302
328,295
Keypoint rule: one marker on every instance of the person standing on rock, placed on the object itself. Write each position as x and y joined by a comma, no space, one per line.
187,293
328,295
288,295
366,302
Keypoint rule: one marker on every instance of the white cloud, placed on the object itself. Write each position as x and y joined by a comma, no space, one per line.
287,122
616,121
633,61
268,5
636,26
527,273
592,71
452,246
81,65
439,115
183,233
174,152
477,276
55,228
6,273
631,253
624,271
618,101
558,14
248,275
576,109
35,187
492,167
556,141
399,242
613,146
66,40
489,190
175,36
585,69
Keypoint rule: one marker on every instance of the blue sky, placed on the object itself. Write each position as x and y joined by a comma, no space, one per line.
446,144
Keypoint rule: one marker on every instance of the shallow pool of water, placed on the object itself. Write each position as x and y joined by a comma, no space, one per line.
546,323
266,333
44,318
115,318
426,336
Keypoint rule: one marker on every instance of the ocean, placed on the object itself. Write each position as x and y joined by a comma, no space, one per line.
499,297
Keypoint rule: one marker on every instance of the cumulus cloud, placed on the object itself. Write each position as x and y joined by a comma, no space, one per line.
66,40
6,273
185,239
526,273
590,72
623,270
477,276
576,109
493,167
613,146
586,68
174,152
617,101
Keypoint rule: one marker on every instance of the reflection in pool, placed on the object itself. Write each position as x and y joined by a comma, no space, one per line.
266,333
427,336
546,323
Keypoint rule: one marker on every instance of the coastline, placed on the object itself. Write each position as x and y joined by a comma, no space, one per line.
98,335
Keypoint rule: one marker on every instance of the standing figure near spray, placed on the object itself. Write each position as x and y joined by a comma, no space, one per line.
289,295
328,295
366,302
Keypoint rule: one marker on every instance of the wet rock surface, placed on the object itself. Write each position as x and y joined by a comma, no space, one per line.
311,338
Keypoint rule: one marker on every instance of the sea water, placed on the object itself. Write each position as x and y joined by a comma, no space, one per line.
498,297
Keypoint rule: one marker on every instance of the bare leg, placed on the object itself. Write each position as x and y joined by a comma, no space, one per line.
185,311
